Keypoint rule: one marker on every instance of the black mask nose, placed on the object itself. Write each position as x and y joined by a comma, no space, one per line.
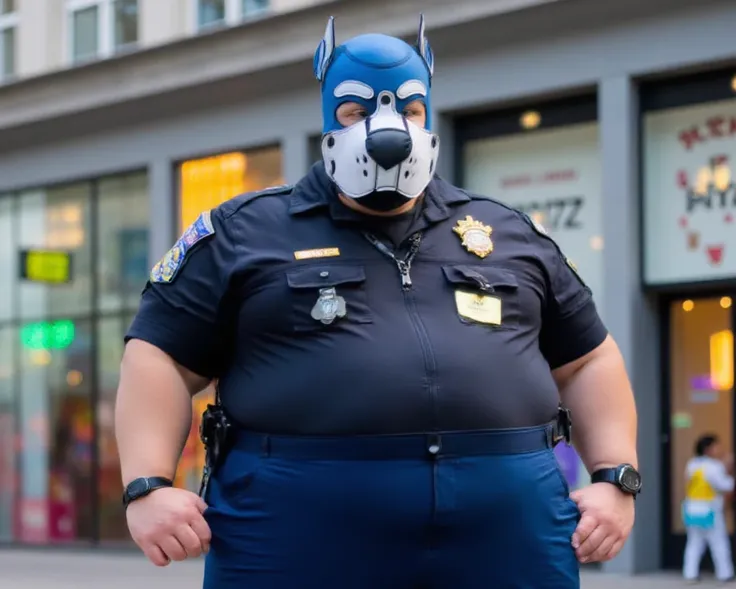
388,147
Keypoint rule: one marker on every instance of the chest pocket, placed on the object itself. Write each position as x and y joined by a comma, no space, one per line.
327,297
485,295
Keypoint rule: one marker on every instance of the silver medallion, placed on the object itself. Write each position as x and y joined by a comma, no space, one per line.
329,306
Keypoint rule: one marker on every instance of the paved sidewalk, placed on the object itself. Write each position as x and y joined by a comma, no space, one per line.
45,569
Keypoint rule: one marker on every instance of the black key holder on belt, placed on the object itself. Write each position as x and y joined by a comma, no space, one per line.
214,431
562,426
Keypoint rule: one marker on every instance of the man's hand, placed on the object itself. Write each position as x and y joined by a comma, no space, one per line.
168,525
607,516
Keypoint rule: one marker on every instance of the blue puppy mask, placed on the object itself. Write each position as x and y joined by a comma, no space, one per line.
385,156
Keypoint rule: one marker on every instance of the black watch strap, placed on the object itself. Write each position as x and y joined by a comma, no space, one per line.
140,487
624,476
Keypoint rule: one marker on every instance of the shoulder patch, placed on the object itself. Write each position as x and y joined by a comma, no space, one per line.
233,205
167,267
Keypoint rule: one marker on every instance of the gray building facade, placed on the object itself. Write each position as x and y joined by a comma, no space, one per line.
593,115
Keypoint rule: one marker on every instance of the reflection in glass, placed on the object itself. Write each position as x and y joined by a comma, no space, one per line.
253,7
701,393
7,53
206,183
125,15
110,334
8,478
122,227
85,41
56,434
8,258
211,12
57,219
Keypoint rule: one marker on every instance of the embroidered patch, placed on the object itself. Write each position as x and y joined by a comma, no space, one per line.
166,268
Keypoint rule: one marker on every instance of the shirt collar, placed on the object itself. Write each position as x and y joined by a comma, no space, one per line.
316,190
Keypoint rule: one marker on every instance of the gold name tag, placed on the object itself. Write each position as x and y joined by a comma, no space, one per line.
480,308
326,252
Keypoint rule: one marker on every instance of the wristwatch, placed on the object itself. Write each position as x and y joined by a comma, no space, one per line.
624,476
139,488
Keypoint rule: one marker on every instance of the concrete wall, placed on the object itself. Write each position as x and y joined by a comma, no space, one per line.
609,58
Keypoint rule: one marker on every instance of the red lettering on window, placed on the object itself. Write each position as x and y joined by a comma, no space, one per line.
732,127
682,179
715,126
690,137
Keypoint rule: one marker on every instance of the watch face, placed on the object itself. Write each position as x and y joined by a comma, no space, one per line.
630,479
137,488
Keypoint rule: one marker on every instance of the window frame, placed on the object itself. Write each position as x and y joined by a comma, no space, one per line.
105,29
234,15
10,20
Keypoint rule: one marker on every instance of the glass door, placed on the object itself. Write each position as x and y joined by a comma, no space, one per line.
699,349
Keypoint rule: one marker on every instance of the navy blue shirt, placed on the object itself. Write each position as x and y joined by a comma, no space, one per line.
238,306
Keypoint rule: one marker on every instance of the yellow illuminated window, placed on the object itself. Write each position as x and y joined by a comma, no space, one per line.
208,182
721,360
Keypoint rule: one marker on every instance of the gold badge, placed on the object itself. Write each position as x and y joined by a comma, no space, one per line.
325,252
480,308
476,236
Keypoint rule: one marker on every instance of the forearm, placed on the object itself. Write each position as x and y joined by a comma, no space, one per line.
601,402
153,413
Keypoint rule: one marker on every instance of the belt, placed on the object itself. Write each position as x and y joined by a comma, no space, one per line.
399,447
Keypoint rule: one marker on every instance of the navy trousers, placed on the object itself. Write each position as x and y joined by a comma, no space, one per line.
483,510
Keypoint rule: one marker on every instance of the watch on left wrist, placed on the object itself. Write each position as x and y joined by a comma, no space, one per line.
623,476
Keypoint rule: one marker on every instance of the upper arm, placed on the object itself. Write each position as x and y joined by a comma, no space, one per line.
146,359
571,326
183,309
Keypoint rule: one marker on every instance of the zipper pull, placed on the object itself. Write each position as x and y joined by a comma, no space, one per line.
405,275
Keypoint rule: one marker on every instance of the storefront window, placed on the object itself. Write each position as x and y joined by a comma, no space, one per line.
690,193
701,386
55,415
122,227
8,478
64,252
8,259
208,182
57,220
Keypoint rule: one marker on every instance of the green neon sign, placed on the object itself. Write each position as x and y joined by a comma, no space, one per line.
47,335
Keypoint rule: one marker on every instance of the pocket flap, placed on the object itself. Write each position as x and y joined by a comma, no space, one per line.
483,277
322,276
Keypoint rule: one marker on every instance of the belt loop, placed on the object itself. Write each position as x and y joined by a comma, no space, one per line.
266,446
550,435
434,445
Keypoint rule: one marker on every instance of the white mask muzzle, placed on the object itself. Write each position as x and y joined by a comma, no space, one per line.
386,152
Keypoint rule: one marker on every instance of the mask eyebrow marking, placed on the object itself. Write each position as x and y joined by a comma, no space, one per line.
354,88
410,88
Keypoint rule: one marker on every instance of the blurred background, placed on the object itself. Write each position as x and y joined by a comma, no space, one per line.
612,123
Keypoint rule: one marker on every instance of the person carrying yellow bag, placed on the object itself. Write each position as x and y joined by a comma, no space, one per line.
708,479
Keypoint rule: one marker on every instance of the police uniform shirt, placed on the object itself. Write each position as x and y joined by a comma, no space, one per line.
469,346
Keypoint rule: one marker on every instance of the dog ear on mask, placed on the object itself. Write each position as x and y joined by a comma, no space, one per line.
325,51
423,47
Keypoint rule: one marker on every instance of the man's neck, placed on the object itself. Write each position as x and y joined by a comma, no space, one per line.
356,206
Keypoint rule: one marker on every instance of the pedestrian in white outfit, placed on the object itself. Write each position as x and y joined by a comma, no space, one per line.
708,478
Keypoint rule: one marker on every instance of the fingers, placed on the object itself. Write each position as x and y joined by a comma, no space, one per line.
202,530
189,540
172,548
156,555
617,546
585,528
590,544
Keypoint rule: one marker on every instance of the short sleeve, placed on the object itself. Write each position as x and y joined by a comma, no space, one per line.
571,326
183,308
